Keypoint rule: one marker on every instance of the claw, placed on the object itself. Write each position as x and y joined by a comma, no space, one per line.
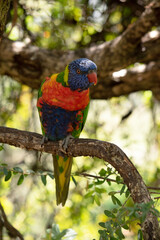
64,144
44,140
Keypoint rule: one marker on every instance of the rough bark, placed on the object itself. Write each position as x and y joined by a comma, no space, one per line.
30,65
4,7
94,148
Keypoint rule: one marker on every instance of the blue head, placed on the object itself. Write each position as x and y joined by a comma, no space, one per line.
82,74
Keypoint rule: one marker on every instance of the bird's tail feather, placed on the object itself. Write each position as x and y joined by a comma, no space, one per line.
62,172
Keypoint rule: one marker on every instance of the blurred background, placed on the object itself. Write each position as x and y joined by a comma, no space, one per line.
132,122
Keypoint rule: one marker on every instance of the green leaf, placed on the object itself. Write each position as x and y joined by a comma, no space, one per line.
99,182
118,179
100,190
4,164
20,180
102,172
89,194
118,201
109,170
5,171
43,179
29,172
112,193
140,234
125,226
50,175
102,224
119,233
109,214
18,169
114,200
90,185
109,182
96,199
122,189
127,193
74,180
8,176
1,147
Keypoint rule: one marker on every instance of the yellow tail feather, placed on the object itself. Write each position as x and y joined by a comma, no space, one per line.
62,172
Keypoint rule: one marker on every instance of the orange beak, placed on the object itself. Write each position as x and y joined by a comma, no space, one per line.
92,77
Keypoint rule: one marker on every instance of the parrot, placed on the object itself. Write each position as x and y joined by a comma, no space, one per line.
63,103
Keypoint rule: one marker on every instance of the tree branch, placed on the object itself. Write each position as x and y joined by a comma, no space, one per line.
12,232
94,148
30,64
4,7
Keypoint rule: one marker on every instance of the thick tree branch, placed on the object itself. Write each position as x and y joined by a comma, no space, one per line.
4,7
30,65
87,147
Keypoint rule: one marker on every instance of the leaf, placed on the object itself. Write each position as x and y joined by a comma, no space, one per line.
109,182
5,171
125,226
113,199
74,180
127,193
20,180
67,234
8,176
118,179
119,233
89,194
1,147
43,179
109,214
122,189
96,199
100,190
102,172
18,169
50,175
102,224
29,171
99,182
140,234
70,234
4,164
118,201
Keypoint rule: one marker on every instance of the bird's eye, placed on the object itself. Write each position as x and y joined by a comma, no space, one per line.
78,71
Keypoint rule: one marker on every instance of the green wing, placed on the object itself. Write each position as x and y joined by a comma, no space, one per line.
81,119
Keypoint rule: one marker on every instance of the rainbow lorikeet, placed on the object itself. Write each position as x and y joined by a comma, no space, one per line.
63,102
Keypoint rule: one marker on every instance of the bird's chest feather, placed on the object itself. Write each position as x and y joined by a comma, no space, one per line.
54,94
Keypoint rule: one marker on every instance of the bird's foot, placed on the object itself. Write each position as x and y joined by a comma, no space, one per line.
44,140
64,144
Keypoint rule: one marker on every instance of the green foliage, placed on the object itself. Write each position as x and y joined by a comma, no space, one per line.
71,24
7,172
1,147
54,233
122,217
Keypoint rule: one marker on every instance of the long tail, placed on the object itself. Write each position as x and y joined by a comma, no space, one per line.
62,172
